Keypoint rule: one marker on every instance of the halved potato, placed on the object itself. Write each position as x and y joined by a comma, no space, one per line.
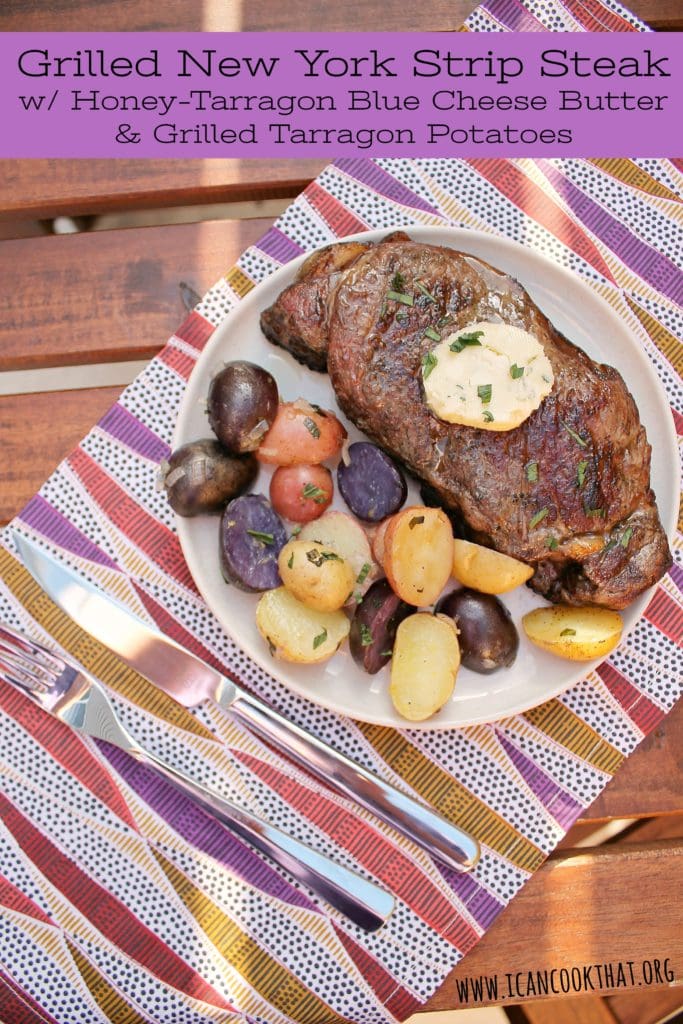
579,634
424,666
486,570
418,554
342,533
296,633
316,575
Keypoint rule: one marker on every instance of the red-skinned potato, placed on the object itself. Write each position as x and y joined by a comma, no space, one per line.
301,493
301,434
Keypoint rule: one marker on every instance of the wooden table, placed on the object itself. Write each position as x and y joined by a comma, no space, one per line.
103,297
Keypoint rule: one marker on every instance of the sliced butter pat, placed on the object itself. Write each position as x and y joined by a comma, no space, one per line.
458,383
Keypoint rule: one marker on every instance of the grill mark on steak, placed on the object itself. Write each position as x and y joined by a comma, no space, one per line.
336,315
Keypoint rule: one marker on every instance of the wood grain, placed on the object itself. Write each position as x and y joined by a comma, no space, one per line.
108,295
49,188
574,912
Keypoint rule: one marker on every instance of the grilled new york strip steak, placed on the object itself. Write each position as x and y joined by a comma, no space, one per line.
599,540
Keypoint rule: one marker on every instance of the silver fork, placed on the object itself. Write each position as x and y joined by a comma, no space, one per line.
71,694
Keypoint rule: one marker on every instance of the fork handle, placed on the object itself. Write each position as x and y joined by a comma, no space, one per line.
360,900
438,836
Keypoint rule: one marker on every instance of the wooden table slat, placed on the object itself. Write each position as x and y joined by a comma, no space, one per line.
575,911
108,295
48,188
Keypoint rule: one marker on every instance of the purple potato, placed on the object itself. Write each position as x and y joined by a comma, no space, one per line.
201,477
243,400
374,626
251,538
371,483
487,635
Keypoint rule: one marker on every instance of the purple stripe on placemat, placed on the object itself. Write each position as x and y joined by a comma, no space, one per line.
276,244
122,425
200,830
513,16
369,173
479,903
55,527
676,574
563,807
652,266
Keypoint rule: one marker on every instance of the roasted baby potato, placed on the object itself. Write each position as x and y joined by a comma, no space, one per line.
579,634
301,434
201,477
242,404
486,633
486,570
301,493
418,554
251,537
370,482
297,633
424,666
316,575
374,626
341,533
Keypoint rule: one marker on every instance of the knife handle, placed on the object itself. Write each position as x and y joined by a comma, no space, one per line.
434,833
359,899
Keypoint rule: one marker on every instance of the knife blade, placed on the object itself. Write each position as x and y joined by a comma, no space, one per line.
190,681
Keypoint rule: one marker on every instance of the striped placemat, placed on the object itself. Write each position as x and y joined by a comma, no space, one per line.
121,902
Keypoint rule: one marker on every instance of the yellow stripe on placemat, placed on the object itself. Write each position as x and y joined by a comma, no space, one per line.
562,725
266,976
239,282
629,173
451,798
110,1002
665,341
94,656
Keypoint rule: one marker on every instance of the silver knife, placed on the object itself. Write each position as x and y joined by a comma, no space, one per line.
191,681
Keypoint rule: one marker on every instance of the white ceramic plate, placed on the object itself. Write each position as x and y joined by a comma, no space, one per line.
339,684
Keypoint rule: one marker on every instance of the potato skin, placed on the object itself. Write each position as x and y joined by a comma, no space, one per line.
418,554
315,575
242,404
578,634
200,478
486,633
374,626
301,434
425,665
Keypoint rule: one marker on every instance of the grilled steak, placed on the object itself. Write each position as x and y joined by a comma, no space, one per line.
589,522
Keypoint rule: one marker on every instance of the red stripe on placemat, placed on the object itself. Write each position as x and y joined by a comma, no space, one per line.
388,863
666,615
539,206
67,749
14,899
334,213
105,911
643,712
178,361
594,17
17,1006
383,984
153,538
195,330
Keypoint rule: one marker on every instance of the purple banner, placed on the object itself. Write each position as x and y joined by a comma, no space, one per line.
340,94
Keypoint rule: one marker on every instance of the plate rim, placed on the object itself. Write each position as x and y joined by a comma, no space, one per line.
460,234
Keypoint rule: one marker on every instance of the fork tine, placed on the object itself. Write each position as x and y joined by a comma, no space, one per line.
35,652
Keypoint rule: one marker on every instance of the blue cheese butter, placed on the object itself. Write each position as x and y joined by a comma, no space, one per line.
487,375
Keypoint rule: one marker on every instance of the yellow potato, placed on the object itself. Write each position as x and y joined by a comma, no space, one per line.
579,634
486,570
296,633
418,554
424,666
342,533
316,575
